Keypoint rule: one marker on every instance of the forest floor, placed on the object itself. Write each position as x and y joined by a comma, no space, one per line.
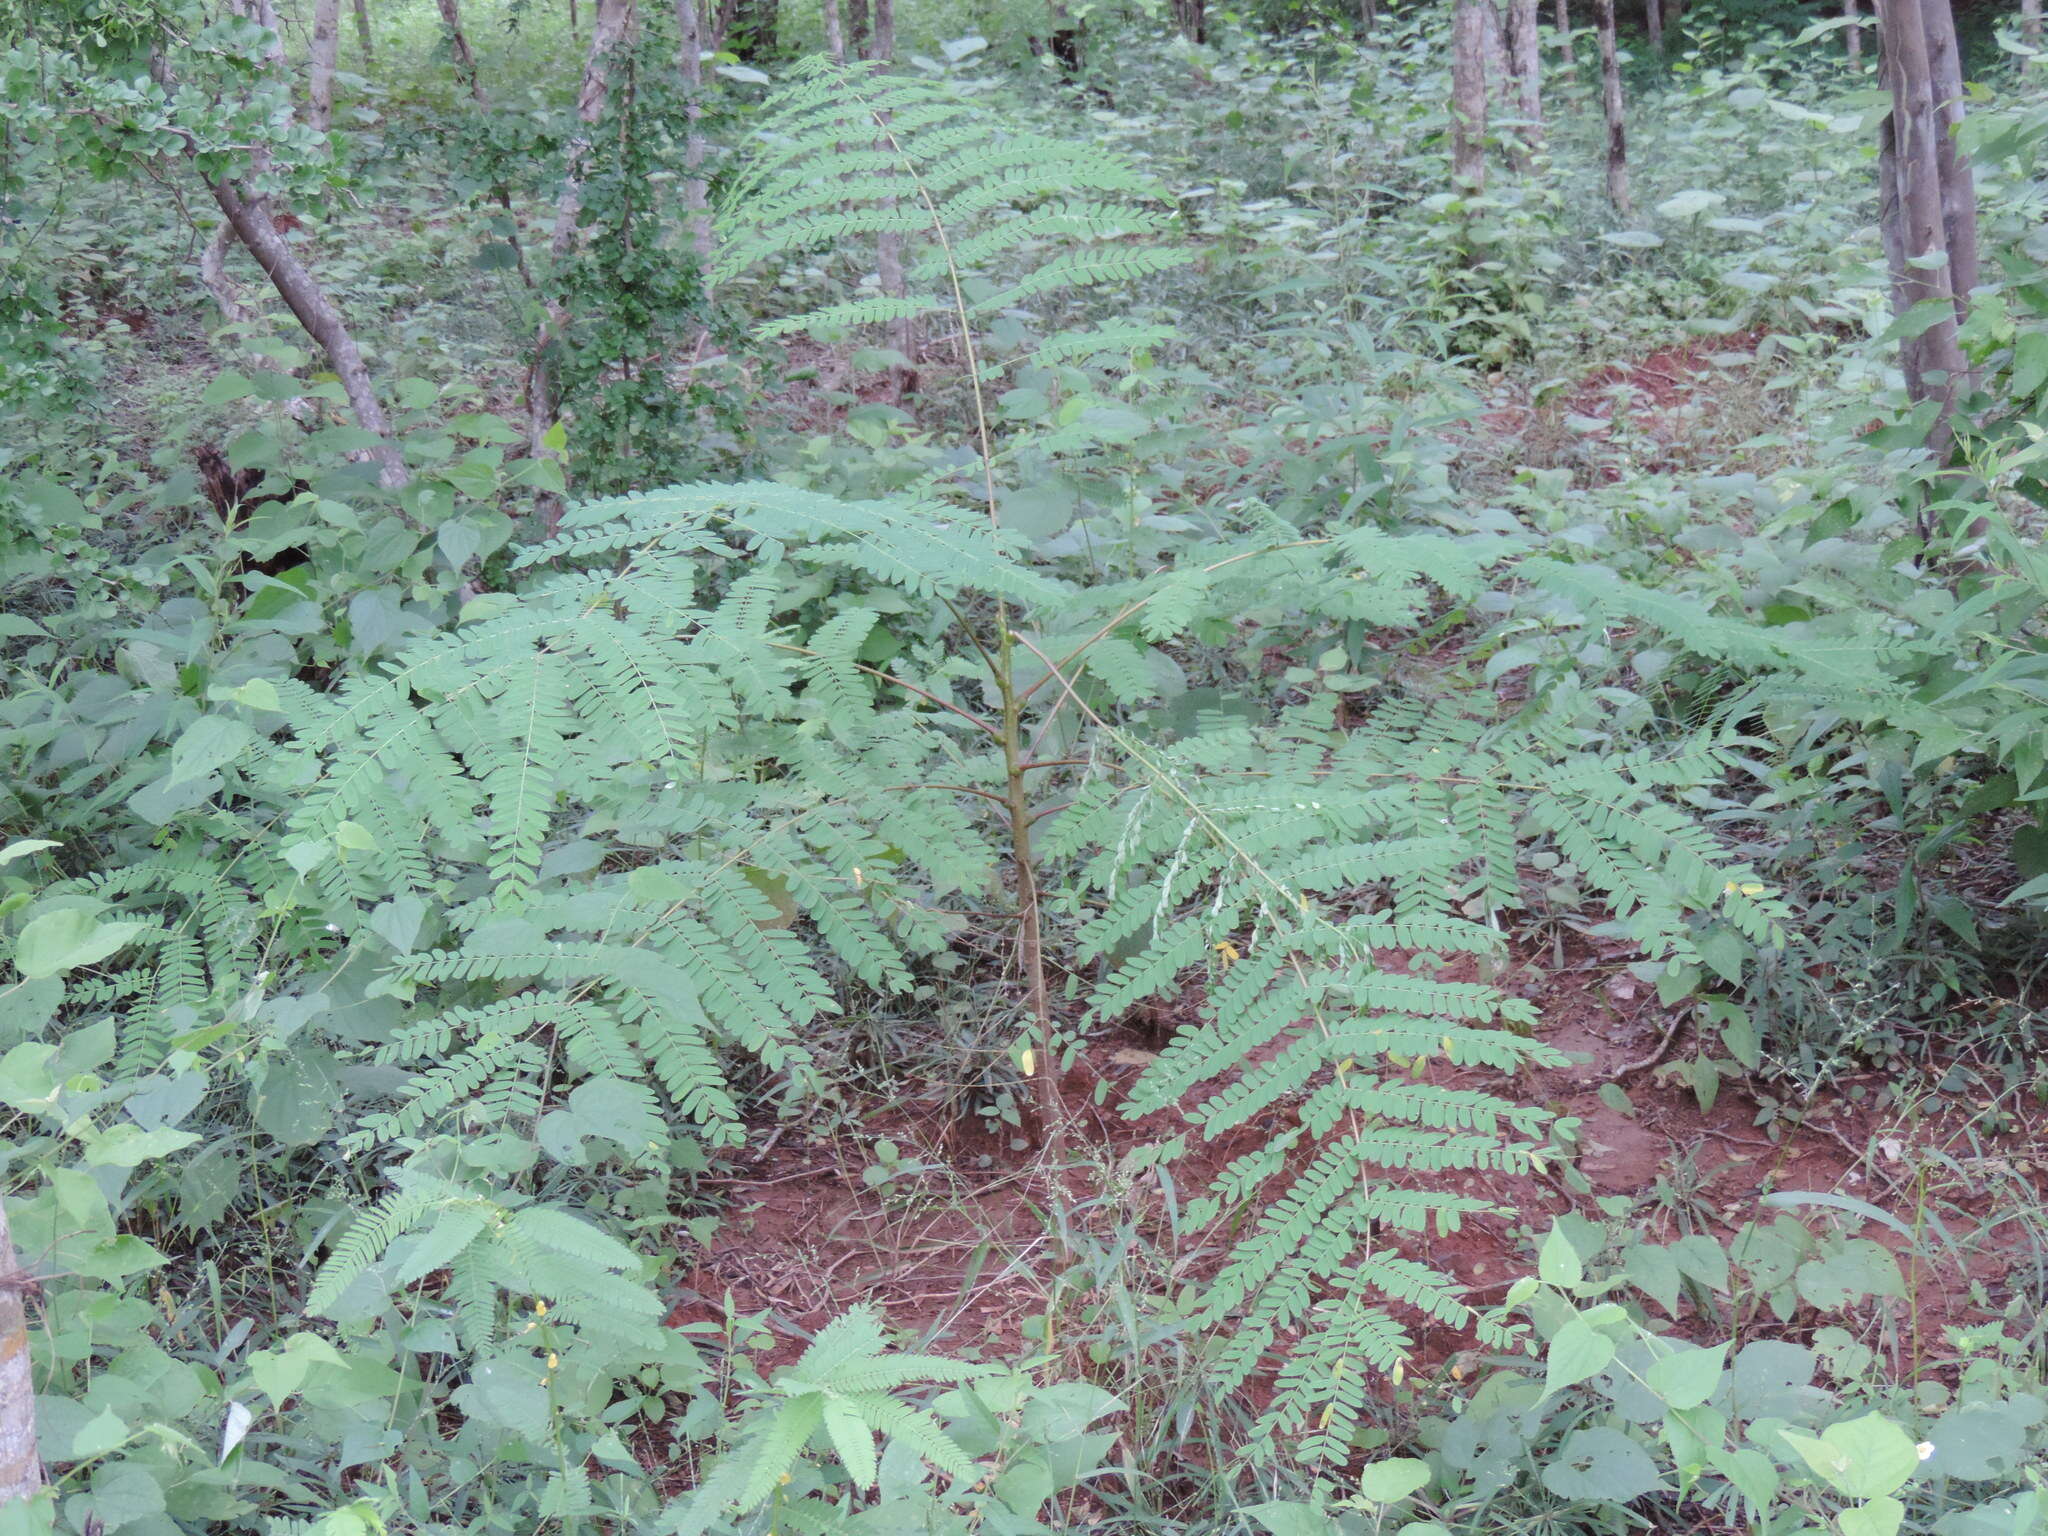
958,1243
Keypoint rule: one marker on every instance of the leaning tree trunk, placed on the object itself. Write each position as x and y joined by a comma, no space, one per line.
363,38
1469,26
1525,55
1926,203
460,51
322,56
543,399
1610,103
256,227
21,1468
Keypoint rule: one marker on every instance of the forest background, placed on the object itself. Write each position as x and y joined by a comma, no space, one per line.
1037,766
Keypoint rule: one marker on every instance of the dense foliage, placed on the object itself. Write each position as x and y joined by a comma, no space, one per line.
836,604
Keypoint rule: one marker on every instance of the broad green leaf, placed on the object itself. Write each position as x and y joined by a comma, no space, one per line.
1386,1482
1578,1351
1688,1377
1865,1458
1557,1262
66,939
1602,1464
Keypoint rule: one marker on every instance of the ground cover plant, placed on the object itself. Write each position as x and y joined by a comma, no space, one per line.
1070,768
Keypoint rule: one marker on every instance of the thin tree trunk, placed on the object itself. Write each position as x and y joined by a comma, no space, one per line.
1915,211
902,332
1852,35
1368,17
21,1468
254,225
213,275
1958,183
690,65
1468,96
460,51
543,402
1065,39
1525,50
472,79
575,22
323,54
2030,23
835,35
1564,42
363,37
1610,103
856,29
1653,21
756,30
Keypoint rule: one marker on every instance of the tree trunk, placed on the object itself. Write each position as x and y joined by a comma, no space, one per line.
255,226
1926,202
1852,35
856,29
1653,22
756,27
2030,23
1468,96
543,403
835,35
322,56
575,21
1564,38
1368,17
1958,184
690,65
1525,55
902,333
363,38
460,51
21,1468
1610,102
1065,39
213,275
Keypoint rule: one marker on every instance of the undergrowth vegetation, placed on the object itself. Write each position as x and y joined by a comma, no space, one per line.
1410,821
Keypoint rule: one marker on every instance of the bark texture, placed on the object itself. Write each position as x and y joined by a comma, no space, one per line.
256,227
690,66
902,334
322,54
1610,104
2030,23
1469,27
1525,55
1653,23
21,1468
1852,35
1926,198
364,40
460,51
